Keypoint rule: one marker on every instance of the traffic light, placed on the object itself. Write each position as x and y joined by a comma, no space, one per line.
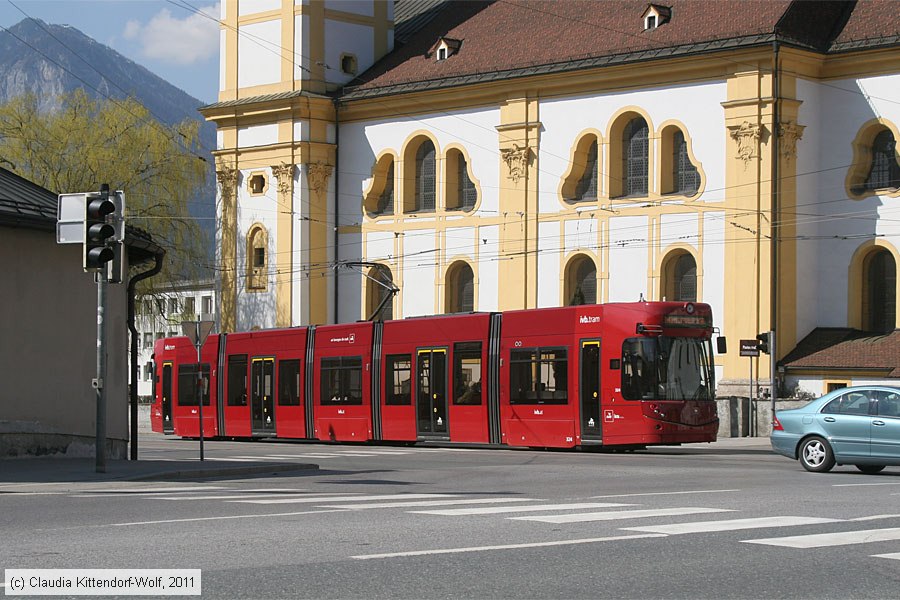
763,342
98,233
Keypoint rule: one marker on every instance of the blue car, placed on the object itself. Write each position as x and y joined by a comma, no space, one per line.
850,426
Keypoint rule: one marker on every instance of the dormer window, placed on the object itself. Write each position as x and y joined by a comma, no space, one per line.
445,48
656,15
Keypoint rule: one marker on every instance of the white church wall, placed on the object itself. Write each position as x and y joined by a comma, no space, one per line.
628,266
837,225
419,274
350,38
489,266
255,46
256,309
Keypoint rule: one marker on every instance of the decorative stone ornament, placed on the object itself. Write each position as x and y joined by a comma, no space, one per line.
790,133
317,175
226,175
284,173
747,137
516,159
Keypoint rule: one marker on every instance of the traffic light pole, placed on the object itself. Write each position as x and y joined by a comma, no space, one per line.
772,361
101,373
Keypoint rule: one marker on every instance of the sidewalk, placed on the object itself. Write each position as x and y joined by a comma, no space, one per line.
81,470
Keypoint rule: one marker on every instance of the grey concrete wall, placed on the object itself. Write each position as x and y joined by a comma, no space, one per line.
743,417
48,349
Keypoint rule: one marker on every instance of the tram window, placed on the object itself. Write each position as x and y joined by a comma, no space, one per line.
341,381
187,384
467,373
237,380
289,383
667,368
538,376
398,376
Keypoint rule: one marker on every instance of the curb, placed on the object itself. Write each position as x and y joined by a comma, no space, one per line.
223,472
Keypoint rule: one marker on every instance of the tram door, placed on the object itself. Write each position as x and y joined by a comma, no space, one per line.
262,397
590,390
168,425
431,392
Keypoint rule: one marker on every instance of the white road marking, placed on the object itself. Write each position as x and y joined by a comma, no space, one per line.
141,492
614,538
732,525
346,498
875,517
495,510
667,493
822,540
614,515
223,518
303,456
371,452
863,484
245,496
433,503
894,556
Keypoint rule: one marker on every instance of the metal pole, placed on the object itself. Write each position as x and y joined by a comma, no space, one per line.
199,388
772,361
100,448
750,402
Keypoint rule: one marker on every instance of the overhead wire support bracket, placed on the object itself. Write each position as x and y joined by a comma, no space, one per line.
392,289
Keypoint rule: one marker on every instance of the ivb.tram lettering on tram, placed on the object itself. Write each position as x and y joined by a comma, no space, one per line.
621,374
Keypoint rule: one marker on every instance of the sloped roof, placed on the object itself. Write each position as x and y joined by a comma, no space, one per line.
838,348
411,15
514,38
25,204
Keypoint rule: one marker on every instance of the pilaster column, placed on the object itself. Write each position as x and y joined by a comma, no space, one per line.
227,177
320,272
284,259
519,147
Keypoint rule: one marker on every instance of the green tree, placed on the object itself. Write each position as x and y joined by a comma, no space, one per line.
88,142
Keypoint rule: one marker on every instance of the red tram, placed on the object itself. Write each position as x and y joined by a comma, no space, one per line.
622,374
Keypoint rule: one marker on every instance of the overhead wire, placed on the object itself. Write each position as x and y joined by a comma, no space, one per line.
186,5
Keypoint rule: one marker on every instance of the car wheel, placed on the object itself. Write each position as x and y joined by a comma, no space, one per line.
870,469
816,455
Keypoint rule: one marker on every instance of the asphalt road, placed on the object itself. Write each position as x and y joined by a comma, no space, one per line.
429,522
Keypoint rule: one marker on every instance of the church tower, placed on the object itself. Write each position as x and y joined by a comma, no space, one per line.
276,151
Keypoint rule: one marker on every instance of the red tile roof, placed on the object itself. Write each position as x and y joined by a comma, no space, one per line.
842,348
515,35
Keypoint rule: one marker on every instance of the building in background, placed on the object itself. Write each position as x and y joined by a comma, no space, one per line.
502,155
48,320
161,315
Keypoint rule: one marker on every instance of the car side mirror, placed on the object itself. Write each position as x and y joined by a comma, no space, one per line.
721,345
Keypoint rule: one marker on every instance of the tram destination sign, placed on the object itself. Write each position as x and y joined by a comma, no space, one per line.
749,348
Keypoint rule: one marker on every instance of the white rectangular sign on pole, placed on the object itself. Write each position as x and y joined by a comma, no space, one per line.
70,218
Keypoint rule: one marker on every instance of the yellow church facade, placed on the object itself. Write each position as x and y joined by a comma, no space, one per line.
495,156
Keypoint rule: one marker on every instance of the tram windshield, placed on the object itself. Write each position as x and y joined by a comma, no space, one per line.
667,368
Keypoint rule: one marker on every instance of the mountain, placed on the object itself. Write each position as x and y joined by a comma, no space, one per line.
50,60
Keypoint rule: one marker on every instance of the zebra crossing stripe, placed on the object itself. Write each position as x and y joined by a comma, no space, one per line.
732,525
614,538
431,503
614,515
822,540
345,499
494,510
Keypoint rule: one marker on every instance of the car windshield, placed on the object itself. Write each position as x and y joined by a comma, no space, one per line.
667,368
